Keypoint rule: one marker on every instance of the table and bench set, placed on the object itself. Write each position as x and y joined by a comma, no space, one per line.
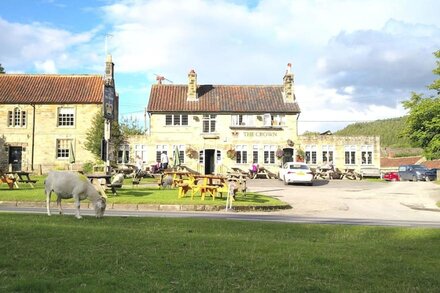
14,177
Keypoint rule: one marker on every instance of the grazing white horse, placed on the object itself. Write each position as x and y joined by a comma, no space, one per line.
68,184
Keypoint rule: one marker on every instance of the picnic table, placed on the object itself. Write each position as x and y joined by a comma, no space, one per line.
22,177
10,181
107,179
204,185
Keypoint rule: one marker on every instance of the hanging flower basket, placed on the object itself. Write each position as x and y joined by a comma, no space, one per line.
191,153
279,153
231,153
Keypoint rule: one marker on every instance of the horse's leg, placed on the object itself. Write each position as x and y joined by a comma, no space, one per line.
59,205
77,206
48,193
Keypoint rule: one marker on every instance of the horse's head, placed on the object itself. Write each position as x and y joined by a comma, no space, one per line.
100,206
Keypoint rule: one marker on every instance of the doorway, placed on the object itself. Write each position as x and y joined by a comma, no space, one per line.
288,155
15,154
209,161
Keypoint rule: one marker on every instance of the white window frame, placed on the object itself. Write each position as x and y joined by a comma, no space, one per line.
159,149
140,150
62,148
124,148
241,154
181,149
176,119
310,154
242,120
209,122
66,117
255,154
269,154
328,154
367,155
350,154
17,118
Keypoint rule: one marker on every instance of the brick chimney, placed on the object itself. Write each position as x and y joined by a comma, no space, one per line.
109,71
288,94
192,86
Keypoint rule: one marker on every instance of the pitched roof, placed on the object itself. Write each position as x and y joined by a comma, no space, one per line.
50,89
396,162
432,164
220,98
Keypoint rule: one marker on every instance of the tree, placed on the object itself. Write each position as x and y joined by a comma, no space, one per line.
423,123
131,127
2,70
96,133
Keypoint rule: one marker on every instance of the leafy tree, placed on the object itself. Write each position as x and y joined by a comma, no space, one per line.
2,70
423,123
96,134
131,127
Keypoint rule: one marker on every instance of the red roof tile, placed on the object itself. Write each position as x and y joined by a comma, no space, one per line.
396,162
432,164
220,98
50,89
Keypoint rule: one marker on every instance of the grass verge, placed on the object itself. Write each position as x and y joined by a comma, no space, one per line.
140,195
62,254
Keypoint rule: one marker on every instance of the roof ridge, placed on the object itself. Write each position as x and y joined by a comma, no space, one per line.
224,85
51,75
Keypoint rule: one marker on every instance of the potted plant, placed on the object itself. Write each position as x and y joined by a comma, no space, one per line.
231,153
191,152
279,153
300,155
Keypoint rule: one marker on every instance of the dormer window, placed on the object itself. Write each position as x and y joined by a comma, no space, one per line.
17,118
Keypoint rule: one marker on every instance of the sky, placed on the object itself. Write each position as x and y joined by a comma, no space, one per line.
353,60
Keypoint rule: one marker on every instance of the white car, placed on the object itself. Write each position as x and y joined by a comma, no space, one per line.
296,172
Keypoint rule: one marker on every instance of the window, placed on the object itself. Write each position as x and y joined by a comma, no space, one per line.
367,154
181,151
274,119
17,118
123,154
255,154
269,154
66,116
241,154
350,154
63,148
310,154
209,123
176,119
159,150
327,154
140,150
242,120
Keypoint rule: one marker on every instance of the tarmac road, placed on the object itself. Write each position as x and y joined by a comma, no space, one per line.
350,199
327,202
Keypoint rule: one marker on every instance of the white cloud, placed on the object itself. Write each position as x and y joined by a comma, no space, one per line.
47,66
25,45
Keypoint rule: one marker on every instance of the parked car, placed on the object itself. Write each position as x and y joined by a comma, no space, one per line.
416,173
296,172
391,176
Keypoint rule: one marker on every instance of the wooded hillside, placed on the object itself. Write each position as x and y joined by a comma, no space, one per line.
389,131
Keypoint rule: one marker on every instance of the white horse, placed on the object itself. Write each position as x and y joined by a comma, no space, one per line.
68,184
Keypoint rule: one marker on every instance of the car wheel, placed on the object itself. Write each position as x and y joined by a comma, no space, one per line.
427,179
285,182
414,179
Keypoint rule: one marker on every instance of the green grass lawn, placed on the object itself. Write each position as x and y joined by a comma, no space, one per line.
113,254
130,194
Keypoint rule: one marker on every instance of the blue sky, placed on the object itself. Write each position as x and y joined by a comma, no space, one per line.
353,60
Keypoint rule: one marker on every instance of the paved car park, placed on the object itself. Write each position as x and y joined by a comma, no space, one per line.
354,199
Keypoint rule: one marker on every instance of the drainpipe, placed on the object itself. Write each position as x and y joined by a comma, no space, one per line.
33,137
